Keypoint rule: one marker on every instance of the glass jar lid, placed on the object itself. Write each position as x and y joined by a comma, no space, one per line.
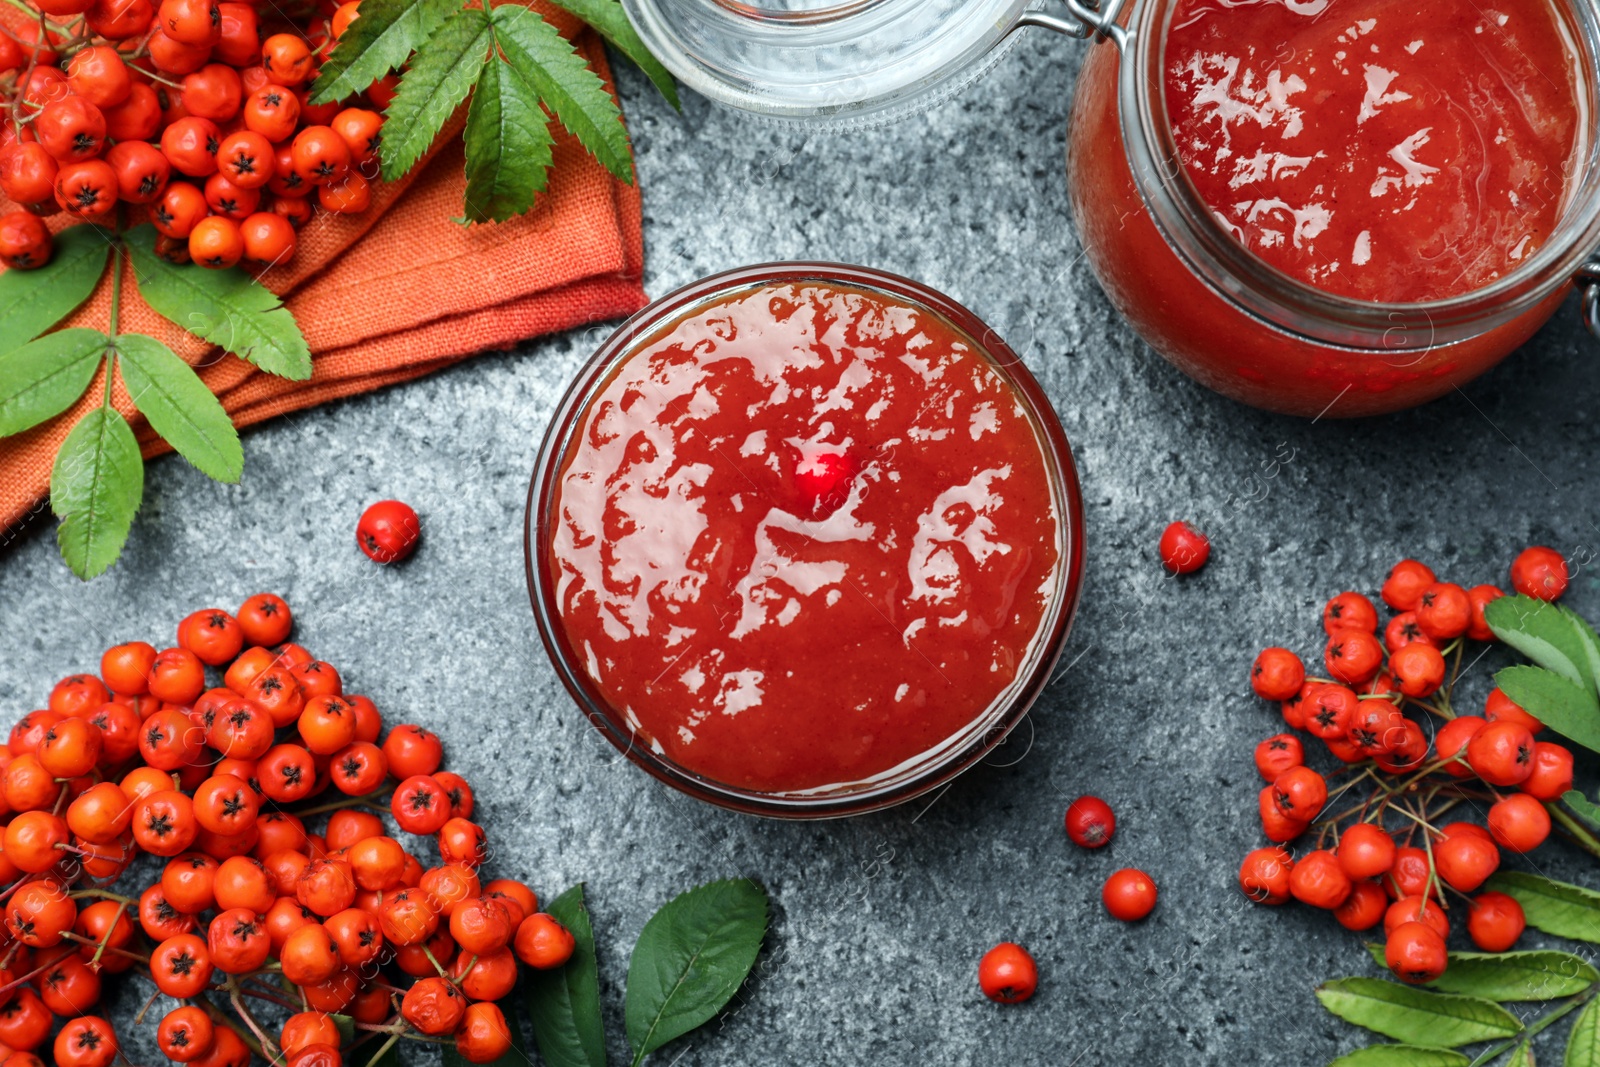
841,62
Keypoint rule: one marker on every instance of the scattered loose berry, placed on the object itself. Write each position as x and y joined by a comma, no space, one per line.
1184,549
388,531
1007,974
1090,822
1129,895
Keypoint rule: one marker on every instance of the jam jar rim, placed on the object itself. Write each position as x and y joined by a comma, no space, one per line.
1008,709
954,59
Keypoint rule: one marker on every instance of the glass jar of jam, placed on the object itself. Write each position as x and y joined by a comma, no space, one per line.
1321,207
804,540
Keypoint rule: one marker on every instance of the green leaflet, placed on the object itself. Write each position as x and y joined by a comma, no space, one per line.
1583,1041
1554,907
380,41
1588,640
564,1004
226,307
1534,974
508,146
1401,1056
44,377
179,407
608,18
1522,1057
1582,807
95,488
1529,975
1563,706
1416,1016
691,958
32,301
1542,633
440,77
562,78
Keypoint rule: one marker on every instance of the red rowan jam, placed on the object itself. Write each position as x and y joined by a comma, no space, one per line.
1380,151
804,536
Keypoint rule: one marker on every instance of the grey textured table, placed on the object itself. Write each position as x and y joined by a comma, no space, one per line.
879,921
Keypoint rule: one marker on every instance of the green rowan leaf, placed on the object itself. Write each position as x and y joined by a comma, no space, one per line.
380,40
179,407
1539,631
1554,907
442,73
609,19
41,379
32,301
1583,1040
508,146
1566,708
95,488
1401,1056
226,307
564,1003
562,78
1416,1016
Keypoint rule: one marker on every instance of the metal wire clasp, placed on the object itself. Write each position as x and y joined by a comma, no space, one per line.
1588,282
1085,18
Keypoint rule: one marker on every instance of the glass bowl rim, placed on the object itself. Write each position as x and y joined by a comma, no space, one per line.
1059,614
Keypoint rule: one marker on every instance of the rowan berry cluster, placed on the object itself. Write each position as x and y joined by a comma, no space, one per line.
196,112
1391,857
253,908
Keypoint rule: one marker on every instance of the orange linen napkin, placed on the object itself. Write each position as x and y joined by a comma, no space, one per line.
396,292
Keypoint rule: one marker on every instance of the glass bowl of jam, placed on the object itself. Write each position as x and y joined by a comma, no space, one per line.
804,540
1328,208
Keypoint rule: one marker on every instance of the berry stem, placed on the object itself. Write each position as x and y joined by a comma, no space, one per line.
105,939
220,1017
1580,836
268,1049
383,1049
80,939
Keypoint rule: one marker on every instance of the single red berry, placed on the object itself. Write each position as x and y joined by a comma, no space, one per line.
1363,908
1416,909
1499,707
1495,921
1541,573
1264,875
1502,753
1184,549
1349,611
1277,754
1365,851
1452,738
1300,793
1319,880
1090,822
1481,596
1552,771
1277,674
1415,953
1404,586
1418,669
1129,895
388,531
1353,656
1444,611
1519,822
1007,974
1465,861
